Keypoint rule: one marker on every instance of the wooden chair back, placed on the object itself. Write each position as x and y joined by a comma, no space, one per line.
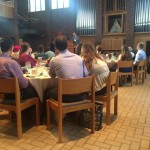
71,87
75,86
126,64
11,85
140,71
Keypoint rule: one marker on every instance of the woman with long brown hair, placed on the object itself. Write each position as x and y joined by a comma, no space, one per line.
95,65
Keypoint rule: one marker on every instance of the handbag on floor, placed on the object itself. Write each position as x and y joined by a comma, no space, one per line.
85,118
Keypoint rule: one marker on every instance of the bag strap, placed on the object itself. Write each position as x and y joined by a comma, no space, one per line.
83,68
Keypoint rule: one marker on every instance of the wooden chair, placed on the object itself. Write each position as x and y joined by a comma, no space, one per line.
140,70
126,64
72,86
112,93
11,86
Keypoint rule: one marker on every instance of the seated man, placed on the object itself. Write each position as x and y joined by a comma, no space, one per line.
66,65
10,68
140,55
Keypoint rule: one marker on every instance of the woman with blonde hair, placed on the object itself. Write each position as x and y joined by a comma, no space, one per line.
95,65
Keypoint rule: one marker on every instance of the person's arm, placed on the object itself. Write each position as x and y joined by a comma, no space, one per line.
137,58
86,73
52,69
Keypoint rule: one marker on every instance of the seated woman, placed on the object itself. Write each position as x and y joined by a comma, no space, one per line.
125,56
95,65
25,55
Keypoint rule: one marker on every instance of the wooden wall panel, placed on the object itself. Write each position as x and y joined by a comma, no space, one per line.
106,44
116,44
6,11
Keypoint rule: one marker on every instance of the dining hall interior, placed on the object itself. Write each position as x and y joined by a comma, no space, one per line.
106,75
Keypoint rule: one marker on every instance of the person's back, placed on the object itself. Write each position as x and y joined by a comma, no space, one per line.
50,54
96,65
66,64
140,55
126,56
10,68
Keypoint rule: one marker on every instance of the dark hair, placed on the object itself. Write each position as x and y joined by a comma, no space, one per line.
40,48
61,42
127,55
99,48
24,47
6,44
47,48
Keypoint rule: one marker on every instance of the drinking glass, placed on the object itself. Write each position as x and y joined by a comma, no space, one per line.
28,65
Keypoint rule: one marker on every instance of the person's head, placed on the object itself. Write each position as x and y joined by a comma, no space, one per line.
25,47
99,48
124,49
41,48
140,45
74,34
88,53
16,49
130,49
125,52
47,48
6,44
61,43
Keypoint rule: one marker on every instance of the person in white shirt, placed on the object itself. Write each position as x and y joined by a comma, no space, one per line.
95,65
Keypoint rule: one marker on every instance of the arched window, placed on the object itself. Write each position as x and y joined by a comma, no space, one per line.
35,5
58,4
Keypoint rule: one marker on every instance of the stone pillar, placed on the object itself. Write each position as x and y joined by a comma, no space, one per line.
129,26
48,24
99,21
16,32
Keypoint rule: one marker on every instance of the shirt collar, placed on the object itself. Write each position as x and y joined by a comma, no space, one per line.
63,52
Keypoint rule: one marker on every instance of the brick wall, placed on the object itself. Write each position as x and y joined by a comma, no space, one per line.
63,20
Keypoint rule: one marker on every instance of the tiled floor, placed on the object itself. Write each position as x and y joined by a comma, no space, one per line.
130,130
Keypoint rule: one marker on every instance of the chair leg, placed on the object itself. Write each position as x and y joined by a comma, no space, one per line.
37,113
108,113
145,73
92,120
143,76
59,126
11,115
137,78
48,114
19,124
131,80
116,105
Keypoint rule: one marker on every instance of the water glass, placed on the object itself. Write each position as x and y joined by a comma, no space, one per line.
28,65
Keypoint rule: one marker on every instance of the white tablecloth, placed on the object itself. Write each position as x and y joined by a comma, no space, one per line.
41,83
